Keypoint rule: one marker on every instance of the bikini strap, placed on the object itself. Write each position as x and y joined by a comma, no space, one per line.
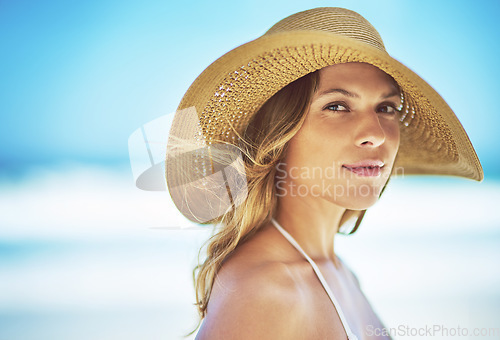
350,334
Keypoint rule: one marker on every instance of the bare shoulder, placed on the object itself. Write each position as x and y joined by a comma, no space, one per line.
351,273
254,297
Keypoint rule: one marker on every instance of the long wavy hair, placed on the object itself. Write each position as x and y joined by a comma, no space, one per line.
263,145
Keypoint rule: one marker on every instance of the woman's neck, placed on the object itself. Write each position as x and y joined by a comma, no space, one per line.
312,222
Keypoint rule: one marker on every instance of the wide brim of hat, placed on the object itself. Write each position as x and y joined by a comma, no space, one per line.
231,90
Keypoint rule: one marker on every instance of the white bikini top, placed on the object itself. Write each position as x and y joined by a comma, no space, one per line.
350,334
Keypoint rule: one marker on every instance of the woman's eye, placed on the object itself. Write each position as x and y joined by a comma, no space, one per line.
387,109
336,107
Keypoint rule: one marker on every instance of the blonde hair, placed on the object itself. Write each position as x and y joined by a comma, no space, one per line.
263,146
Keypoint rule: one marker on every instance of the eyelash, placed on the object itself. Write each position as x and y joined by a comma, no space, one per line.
328,106
389,105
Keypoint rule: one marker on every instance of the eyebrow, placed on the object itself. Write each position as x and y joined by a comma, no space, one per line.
392,94
355,95
342,91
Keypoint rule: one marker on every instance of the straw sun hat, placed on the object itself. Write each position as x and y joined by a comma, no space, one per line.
222,100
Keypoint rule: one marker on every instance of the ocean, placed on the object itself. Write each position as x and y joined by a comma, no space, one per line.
86,255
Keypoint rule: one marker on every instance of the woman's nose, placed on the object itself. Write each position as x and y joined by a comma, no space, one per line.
370,132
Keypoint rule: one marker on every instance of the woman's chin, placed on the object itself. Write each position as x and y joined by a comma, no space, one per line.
356,203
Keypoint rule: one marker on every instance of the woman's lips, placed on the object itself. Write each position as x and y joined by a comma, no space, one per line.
368,168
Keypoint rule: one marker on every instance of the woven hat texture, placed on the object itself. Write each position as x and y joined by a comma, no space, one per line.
231,90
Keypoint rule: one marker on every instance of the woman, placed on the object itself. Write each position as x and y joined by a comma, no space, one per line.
321,116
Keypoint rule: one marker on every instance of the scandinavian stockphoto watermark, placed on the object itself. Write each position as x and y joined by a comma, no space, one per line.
435,330
204,178
335,180
207,178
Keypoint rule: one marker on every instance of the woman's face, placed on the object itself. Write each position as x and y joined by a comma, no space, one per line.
346,148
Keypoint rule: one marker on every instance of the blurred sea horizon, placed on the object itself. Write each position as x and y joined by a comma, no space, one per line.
86,255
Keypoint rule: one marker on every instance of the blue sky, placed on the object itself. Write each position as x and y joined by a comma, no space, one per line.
85,246
77,78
